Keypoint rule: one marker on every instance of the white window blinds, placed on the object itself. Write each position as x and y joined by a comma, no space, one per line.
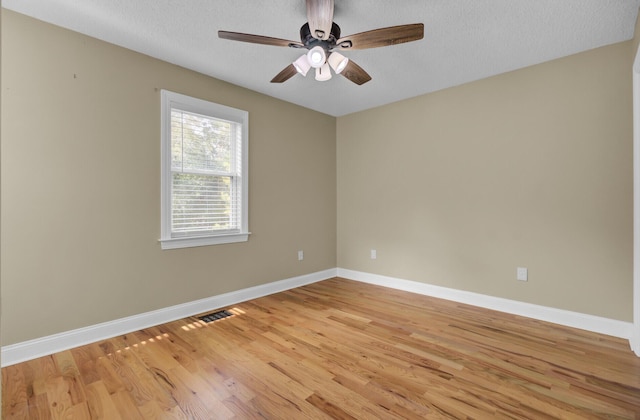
205,174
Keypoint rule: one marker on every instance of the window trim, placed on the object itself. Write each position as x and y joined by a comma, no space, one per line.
171,100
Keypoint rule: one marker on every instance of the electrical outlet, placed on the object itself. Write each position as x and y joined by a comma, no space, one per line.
522,274
374,254
300,255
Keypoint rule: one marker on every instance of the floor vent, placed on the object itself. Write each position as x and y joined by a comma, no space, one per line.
215,316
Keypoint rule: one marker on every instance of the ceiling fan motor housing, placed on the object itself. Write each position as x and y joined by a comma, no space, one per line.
309,41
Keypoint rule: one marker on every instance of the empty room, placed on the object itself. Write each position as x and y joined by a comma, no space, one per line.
320,209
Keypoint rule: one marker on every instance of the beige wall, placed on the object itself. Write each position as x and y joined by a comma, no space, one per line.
81,182
531,168
636,36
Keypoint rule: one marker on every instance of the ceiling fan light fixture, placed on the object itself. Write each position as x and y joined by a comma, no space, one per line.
302,65
323,73
338,62
316,56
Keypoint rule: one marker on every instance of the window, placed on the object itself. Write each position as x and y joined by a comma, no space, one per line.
204,172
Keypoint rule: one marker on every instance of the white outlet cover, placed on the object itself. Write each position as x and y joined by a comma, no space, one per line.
300,255
522,274
374,254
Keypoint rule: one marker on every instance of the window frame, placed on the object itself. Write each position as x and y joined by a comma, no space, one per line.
169,101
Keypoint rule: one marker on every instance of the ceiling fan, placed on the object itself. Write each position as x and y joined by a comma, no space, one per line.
321,37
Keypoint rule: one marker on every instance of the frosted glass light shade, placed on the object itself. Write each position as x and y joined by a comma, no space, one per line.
338,62
316,57
302,65
323,73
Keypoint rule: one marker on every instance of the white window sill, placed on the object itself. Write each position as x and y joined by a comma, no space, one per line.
174,243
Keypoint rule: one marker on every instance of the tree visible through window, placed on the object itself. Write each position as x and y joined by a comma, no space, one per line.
207,175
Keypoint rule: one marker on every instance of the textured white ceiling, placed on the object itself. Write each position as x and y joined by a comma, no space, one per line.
465,40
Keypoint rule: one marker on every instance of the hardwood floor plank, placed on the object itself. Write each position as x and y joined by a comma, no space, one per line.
39,407
85,358
336,349
58,397
139,380
396,404
124,403
238,390
327,407
14,393
101,406
199,393
151,410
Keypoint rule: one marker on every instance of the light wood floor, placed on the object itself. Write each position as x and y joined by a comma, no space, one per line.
336,349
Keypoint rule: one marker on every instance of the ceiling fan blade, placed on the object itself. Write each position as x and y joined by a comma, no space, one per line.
355,73
320,18
382,37
259,39
286,74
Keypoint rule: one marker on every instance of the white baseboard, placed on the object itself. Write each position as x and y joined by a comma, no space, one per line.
635,344
28,350
586,322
